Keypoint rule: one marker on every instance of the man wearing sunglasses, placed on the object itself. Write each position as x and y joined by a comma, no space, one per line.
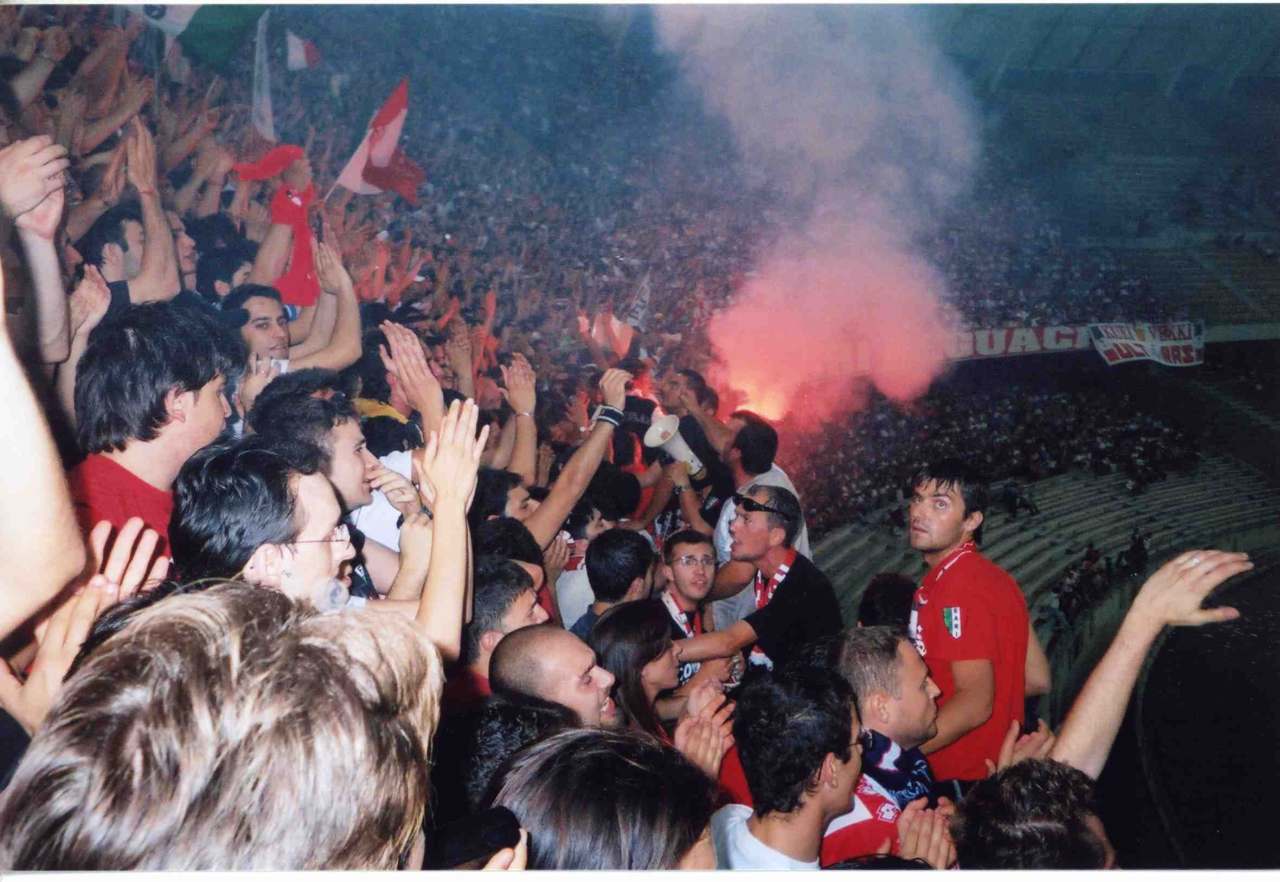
794,601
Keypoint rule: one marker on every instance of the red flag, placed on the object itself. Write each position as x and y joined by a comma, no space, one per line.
378,163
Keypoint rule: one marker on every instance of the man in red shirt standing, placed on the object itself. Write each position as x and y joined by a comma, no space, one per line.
148,394
969,621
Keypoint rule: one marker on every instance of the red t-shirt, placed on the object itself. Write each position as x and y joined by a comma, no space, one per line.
967,608
103,490
864,828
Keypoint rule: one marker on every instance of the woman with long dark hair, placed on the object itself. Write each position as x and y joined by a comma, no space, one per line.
633,642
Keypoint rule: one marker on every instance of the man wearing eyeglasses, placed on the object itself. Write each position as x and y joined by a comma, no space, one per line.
794,601
690,568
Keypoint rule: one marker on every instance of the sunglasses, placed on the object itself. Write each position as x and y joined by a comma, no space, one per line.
746,503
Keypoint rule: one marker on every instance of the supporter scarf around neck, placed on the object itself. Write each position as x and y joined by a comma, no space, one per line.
903,774
691,624
764,594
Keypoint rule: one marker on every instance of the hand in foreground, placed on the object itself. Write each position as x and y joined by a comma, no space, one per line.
923,835
60,637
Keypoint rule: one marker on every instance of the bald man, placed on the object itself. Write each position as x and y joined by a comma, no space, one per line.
547,662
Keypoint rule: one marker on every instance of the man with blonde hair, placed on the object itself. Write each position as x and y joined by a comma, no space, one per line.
232,729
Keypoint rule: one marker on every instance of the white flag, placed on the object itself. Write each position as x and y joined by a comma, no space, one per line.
263,118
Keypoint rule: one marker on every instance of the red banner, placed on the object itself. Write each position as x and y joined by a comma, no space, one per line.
1002,342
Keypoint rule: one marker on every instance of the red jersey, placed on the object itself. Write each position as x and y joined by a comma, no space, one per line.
104,490
967,608
864,828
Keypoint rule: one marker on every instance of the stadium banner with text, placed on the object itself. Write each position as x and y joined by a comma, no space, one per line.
1006,342
1175,344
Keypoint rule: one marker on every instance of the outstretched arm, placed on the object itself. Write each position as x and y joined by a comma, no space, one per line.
1172,596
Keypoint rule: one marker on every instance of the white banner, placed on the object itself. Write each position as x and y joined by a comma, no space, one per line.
1175,344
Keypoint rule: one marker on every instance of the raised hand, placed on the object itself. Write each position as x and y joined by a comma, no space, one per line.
398,490
89,301
129,566
521,385
1173,593
1017,747
30,170
404,357
446,468
60,638
140,156
257,376
555,558
42,221
613,385
329,269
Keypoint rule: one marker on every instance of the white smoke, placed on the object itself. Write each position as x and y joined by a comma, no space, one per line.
853,116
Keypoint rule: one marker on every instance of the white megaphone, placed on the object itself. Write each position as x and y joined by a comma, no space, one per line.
664,432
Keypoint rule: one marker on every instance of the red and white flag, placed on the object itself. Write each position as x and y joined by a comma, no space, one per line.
378,163
301,53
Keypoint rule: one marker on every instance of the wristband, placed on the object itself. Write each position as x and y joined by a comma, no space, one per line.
610,415
526,413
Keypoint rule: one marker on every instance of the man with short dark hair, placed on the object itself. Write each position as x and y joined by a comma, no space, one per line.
148,394
794,601
257,312
504,600
797,735
221,270
573,588
690,566
547,662
969,621
619,569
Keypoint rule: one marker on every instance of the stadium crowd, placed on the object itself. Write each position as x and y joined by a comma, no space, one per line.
332,549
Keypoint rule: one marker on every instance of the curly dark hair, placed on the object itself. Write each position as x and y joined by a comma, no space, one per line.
1030,816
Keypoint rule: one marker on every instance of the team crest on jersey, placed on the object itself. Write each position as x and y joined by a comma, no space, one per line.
951,619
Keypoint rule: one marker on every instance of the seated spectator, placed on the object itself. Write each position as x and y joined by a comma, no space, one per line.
652,815
244,791
547,662
149,394
620,566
